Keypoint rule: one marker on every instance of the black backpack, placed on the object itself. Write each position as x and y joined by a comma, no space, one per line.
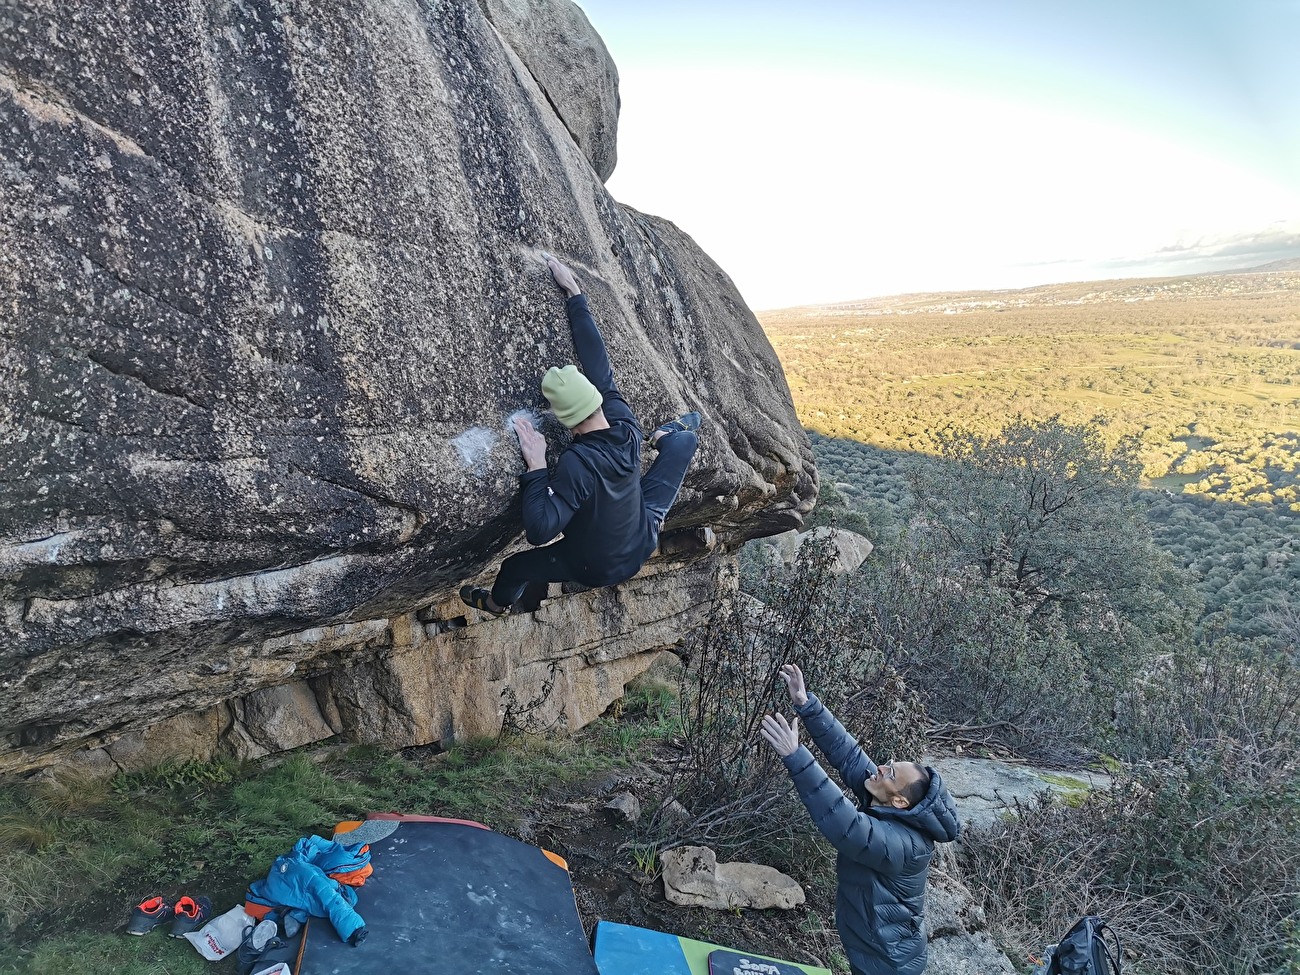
1083,950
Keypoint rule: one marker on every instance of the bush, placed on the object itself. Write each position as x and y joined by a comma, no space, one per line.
1238,699
1196,868
983,669
834,511
733,786
1045,512
1023,593
1194,856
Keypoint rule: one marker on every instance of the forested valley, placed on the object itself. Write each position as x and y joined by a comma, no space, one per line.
1201,373
1085,506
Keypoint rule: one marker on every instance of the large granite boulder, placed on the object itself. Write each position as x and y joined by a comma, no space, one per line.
570,64
421,678
270,287
848,549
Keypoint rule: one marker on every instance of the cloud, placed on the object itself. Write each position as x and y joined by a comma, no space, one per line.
1275,240
1217,252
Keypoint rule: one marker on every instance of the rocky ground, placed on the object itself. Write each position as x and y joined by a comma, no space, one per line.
611,883
615,875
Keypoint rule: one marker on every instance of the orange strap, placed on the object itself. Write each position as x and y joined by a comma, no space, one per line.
354,878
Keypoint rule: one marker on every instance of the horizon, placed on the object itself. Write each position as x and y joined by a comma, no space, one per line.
1288,265
938,148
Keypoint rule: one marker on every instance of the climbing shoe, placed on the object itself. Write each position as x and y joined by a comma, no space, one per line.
191,914
687,421
478,599
148,914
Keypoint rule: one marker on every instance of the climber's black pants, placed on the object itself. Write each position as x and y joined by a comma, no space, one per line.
527,574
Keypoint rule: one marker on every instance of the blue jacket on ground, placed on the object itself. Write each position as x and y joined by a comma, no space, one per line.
594,497
300,880
883,852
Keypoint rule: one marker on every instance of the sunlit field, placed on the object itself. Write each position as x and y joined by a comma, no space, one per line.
1205,369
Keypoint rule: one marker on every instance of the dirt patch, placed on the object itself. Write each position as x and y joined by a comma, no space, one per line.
109,909
611,885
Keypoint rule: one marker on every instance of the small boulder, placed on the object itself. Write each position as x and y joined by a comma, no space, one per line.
950,907
673,811
851,549
954,922
693,876
623,808
971,954
987,789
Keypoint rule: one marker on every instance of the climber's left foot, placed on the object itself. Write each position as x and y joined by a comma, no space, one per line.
480,599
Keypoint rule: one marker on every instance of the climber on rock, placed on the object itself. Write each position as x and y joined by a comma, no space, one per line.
610,515
884,844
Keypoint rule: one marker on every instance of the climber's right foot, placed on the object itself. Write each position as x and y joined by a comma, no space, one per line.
530,600
687,421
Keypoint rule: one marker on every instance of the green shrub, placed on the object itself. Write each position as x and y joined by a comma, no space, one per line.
1197,868
1195,855
1231,697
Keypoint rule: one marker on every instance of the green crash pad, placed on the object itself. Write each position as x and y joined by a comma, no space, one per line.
622,949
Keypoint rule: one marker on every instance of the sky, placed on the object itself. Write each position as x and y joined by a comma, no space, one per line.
829,150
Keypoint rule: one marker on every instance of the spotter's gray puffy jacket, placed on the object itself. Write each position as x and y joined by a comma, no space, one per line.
884,853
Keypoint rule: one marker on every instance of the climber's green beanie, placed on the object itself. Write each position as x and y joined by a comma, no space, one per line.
572,396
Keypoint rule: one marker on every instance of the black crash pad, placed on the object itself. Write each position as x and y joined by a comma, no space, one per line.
452,898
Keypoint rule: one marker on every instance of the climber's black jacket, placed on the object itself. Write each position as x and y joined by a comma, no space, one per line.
594,497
